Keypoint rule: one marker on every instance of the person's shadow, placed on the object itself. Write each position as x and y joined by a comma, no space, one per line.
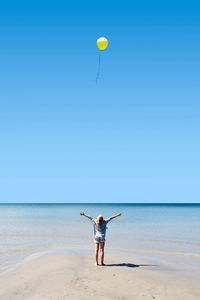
129,265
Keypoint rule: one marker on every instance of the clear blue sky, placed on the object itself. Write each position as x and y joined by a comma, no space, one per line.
134,137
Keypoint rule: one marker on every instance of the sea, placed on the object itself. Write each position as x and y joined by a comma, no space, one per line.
166,235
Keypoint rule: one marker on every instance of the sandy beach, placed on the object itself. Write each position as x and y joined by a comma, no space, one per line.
59,276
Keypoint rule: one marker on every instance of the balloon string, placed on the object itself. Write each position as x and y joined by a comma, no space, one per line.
99,68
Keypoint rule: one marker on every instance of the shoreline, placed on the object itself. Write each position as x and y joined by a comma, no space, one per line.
164,260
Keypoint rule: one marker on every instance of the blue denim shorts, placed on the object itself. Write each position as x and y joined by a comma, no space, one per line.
99,239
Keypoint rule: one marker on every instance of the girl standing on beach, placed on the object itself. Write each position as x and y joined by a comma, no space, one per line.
100,226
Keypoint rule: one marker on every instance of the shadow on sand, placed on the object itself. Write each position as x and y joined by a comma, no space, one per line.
129,265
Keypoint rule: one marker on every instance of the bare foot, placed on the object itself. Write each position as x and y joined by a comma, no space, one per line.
102,264
96,264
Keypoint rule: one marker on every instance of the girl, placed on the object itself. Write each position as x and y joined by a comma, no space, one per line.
100,234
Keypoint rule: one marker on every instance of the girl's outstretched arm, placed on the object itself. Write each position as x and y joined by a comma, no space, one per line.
83,214
112,217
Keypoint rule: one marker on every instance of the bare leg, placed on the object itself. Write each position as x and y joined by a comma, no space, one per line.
96,253
102,244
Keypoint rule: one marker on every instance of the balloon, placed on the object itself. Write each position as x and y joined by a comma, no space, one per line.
102,43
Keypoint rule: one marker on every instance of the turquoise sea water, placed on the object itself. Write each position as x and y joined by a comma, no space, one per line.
159,232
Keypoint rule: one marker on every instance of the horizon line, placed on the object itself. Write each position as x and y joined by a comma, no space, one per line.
98,203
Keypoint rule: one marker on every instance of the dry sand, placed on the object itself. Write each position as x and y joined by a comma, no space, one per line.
60,276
